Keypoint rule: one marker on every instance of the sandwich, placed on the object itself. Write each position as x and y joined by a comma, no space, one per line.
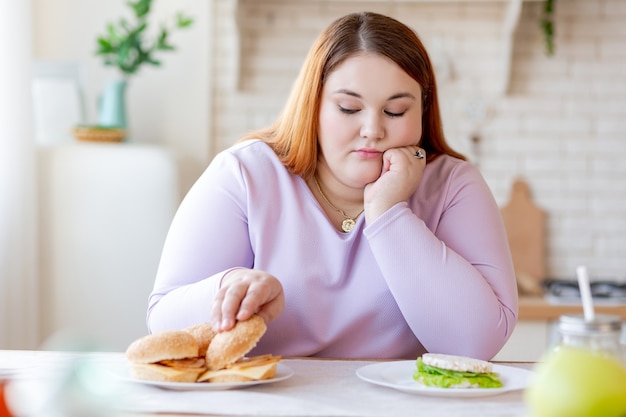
450,371
225,356
198,354
171,356
204,333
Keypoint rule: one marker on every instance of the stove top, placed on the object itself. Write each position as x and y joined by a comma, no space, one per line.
603,292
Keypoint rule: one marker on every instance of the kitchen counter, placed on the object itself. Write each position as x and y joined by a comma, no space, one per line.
538,308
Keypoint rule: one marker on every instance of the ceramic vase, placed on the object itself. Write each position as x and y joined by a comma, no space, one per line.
112,111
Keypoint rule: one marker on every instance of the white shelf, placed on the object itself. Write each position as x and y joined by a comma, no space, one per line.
509,24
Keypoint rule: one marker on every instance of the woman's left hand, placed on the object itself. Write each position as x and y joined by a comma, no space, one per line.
401,174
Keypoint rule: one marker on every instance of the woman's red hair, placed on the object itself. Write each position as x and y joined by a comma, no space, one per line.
294,135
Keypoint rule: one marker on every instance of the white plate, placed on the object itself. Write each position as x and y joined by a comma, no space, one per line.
282,372
399,376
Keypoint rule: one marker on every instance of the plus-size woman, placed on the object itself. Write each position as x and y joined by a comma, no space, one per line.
349,225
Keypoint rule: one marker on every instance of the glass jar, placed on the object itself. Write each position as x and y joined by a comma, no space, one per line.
584,375
602,335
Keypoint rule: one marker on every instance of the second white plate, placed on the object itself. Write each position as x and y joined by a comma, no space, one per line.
399,376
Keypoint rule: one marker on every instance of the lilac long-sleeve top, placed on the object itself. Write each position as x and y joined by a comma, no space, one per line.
433,273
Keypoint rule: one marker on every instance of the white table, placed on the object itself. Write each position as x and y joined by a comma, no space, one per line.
319,387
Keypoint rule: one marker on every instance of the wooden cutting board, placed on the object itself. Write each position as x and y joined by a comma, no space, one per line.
525,225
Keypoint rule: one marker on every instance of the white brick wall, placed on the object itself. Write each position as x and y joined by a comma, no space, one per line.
561,125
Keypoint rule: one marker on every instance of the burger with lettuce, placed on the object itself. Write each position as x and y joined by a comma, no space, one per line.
449,371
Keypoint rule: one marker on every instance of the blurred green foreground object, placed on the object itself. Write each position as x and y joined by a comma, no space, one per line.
574,382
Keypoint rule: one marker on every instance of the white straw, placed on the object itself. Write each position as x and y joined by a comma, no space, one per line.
585,292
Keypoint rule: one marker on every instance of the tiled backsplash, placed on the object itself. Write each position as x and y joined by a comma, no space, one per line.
561,125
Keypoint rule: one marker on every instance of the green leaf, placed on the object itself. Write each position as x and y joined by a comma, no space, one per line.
162,36
548,6
112,31
104,46
546,24
124,25
162,43
140,7
182,21
139,29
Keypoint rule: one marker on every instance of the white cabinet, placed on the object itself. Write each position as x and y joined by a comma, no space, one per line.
104,212
528,343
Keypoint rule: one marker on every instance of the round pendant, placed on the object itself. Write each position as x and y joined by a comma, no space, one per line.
347,225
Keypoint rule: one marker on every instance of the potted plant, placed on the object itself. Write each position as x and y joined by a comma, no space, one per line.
128,46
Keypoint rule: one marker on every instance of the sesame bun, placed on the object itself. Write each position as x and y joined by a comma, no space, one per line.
170,356
167,345
204,333
228,347
457,363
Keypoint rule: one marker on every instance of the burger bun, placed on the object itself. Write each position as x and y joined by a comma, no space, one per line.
171,356
228,347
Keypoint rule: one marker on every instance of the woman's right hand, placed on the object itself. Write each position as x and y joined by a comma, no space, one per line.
245,292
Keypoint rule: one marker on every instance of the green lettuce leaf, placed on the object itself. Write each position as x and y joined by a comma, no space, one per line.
444,378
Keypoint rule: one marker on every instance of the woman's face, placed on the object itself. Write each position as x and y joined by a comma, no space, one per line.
368,105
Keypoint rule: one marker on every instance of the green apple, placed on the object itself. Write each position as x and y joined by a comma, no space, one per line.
573,382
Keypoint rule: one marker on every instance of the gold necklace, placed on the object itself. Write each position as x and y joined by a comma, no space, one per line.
348,222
